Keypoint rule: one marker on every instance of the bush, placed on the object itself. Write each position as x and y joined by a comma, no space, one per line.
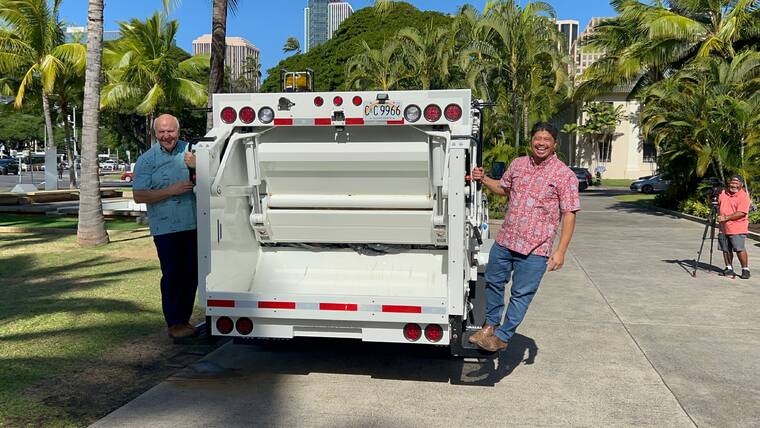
754,217
695,206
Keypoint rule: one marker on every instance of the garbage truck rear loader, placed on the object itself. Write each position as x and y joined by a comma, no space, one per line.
343,215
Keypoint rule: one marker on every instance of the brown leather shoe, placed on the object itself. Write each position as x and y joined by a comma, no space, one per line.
179,331
481,334
492,343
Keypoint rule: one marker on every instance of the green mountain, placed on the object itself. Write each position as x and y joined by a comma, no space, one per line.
329,59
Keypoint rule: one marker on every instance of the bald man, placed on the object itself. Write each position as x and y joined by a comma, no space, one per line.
161,181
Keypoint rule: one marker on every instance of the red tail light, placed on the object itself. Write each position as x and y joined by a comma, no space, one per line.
224,325
244,326
453,112
338,101
318,101
357,100
433,332
228,115
432,113
412,332
247,115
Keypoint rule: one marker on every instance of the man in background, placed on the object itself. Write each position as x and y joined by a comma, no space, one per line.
733,207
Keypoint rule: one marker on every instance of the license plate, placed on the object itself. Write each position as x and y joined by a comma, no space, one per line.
389,110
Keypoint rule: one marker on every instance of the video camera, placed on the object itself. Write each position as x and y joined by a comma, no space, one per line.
714,192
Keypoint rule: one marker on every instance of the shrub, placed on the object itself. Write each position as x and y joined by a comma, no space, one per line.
754,217
694,206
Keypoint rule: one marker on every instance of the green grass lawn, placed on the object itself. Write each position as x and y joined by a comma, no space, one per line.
36,220
637,198
62,305
616,182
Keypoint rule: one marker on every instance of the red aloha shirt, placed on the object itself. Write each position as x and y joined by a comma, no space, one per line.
538,195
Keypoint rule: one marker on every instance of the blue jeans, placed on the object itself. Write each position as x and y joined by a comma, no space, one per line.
526,273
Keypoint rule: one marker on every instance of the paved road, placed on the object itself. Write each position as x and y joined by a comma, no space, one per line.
622,336
7,182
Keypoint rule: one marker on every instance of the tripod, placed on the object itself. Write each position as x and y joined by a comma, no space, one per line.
710,225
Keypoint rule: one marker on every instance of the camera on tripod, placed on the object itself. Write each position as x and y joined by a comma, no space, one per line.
713,193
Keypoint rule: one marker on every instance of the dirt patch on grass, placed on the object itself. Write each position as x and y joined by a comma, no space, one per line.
92,389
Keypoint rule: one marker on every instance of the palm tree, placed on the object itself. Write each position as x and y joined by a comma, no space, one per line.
218,48
376,68
427,53
144,71
91,228
32,46
252,67
292,45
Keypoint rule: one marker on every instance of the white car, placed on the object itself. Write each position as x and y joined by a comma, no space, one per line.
109,165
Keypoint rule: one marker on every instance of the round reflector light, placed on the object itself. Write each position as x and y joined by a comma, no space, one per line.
412,332
412,113
432,113
228,115
357,100
244,326
452,112
433,333
247,115
338,101
266,115
318,101
224,325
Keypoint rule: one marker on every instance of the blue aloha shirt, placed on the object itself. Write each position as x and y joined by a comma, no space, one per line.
157,169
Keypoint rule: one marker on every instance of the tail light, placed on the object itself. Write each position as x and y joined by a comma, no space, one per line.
412,113
247,115
224,325
318,101
266,115
412,332
338,101
357,100
244,326
433,333
228,115
432,113
452,112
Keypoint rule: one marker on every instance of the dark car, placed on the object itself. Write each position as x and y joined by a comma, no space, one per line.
585,179
8,166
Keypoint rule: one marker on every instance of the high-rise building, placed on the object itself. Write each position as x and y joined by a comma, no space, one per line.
337,12
587,55
236,52
319,17
569,30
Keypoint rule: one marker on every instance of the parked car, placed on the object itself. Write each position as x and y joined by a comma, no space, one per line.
8,166
585,179
109,165
127,176
655,183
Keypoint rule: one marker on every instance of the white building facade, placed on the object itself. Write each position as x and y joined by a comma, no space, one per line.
236,52
337,12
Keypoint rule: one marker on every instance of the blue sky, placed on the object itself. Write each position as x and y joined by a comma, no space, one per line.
267,24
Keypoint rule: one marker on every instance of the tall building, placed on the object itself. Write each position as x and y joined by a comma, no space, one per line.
586,55
337,12
319,17
569,30
236,52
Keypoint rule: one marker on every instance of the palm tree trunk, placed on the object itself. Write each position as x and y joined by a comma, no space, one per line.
515,115
67,137
91,229
218,36
51,175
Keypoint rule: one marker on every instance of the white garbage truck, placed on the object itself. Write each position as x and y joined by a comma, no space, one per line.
343,215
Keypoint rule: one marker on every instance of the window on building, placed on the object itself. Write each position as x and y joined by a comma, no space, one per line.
605,150
650,152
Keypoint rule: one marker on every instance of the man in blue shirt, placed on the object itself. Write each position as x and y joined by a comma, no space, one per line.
161,180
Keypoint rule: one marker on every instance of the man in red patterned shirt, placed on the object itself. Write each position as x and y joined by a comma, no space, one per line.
543,193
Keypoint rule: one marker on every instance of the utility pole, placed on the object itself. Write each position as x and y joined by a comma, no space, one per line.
74,161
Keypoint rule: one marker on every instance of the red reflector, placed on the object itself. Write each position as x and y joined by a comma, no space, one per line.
277,305
433,332
224,325
452,112
318,101
357,100
228,115
412,332
288,121
353,307
354,121
323,121
244,326
403,309
338,101
395,122
220,303
247,115
432,113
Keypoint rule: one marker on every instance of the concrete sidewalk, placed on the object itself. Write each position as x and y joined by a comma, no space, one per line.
621,336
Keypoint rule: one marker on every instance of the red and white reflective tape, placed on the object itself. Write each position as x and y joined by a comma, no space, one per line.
327,121
324,306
